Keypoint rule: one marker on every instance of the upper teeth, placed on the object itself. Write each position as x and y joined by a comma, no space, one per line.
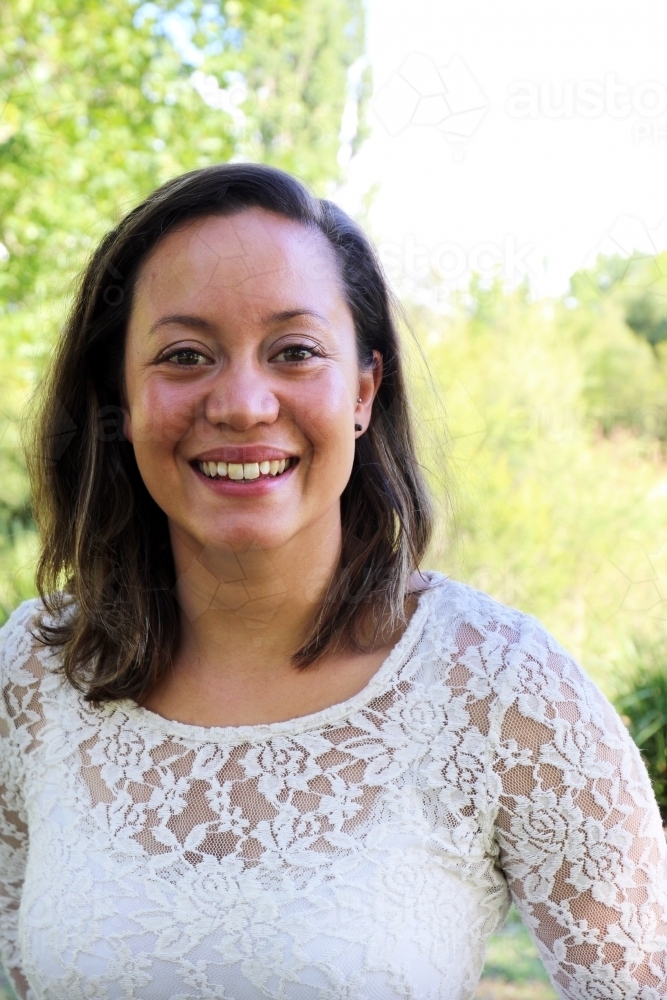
249,470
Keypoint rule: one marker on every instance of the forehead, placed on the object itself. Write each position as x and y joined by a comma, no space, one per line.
250,259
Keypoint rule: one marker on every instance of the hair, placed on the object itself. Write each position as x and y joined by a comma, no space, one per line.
106,573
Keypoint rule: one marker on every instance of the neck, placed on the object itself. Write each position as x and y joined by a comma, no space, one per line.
248,611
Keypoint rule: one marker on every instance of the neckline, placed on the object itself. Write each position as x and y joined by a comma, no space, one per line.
302,723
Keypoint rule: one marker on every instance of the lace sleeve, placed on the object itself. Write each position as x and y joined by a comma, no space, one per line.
13,823
578,829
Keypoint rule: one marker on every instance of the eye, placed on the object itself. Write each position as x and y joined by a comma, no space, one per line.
296,353
187,357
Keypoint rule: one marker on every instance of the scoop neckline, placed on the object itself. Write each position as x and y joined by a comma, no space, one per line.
301,723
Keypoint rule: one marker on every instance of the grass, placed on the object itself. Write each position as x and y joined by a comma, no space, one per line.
513,970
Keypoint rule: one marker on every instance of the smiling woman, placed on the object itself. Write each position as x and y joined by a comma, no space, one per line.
232,319
247,747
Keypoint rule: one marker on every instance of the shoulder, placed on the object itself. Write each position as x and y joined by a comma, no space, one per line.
26,663
18,637
508,650
474,618
521,687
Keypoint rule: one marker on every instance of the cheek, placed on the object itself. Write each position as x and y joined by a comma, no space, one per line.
326,420
162,414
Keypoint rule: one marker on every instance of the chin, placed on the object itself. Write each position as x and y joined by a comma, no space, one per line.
242,539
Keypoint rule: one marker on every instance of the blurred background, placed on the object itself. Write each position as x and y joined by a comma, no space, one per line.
509,160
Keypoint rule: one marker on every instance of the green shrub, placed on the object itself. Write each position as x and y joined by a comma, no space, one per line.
558,495
644,710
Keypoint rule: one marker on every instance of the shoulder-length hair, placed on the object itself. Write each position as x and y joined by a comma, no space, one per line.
106,573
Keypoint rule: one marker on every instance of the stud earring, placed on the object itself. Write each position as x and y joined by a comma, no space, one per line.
358,427
358,399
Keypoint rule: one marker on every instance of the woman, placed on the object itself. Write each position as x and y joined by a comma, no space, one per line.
248,750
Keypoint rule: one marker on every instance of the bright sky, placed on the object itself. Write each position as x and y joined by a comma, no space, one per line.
519,133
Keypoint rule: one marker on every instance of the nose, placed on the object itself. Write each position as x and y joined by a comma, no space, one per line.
240,398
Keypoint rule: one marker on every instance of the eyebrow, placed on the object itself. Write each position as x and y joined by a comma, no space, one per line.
199,323
182,319
287,314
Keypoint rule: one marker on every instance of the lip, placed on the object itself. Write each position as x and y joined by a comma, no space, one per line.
246,487
240,454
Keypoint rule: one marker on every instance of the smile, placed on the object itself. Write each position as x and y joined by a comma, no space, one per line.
247,471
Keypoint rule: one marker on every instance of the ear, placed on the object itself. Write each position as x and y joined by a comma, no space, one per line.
369,383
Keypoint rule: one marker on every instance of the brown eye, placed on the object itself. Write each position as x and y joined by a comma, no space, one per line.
295,354
185,357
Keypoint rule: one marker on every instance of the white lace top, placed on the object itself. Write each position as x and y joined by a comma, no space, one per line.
364,852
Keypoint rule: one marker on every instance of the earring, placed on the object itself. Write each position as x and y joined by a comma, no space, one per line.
358,427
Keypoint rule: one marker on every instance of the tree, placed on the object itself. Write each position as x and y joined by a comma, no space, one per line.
638,282
620,309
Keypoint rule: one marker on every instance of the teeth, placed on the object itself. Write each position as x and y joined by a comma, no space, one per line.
248,471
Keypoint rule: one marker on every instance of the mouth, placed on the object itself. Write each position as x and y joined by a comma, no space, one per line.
246,471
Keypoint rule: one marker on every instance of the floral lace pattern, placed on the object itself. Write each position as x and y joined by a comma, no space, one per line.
364,852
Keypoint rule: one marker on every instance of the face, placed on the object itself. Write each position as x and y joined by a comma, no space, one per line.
242,381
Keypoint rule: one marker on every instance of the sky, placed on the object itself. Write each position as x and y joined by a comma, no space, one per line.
514,137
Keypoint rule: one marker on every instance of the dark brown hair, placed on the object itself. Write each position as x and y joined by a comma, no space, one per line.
106,572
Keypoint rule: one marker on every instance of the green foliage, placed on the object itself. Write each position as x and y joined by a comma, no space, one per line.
296,62
100,103
644,709
512,958
558,502
645,317
625,376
